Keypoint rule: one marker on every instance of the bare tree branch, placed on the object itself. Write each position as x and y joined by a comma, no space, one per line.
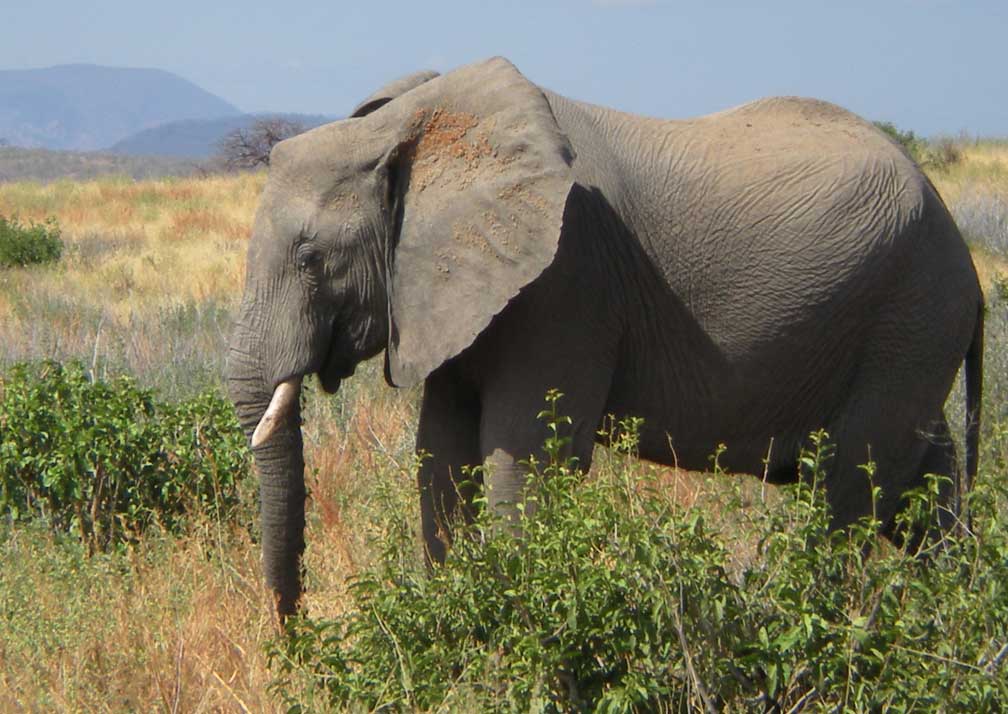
249,147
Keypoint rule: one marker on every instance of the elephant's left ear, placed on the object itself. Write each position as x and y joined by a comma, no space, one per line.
482,177
390,91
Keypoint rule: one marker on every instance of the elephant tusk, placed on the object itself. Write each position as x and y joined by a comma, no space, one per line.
285,397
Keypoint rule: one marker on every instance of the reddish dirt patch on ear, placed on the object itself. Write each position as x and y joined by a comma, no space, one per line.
443,134
443,154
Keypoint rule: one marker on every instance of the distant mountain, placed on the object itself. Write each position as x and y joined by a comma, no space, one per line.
87,107
198,138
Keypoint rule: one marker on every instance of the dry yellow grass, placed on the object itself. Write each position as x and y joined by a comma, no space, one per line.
983,168
167,629
150,276
136,246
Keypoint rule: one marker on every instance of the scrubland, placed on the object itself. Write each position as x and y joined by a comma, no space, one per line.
179,622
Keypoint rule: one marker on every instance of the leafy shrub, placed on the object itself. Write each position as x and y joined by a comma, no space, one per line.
616,600
937,154
913,144
105,460
26,244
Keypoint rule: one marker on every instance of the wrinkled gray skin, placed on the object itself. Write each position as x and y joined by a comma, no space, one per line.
745,277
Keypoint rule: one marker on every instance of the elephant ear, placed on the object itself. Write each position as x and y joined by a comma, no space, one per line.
482,176
392,90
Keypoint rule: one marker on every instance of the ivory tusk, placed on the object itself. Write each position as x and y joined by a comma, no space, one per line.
285,397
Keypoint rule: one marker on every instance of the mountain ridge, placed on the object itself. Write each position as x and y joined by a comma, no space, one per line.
86,107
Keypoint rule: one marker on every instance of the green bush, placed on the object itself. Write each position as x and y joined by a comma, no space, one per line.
26,244
105,460
907,139
616,600
937,154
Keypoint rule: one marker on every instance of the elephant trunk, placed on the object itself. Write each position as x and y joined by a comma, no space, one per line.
279,462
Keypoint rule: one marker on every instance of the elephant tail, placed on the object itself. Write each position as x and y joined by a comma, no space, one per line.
974,397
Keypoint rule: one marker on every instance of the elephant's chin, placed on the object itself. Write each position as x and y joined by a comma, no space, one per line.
334,369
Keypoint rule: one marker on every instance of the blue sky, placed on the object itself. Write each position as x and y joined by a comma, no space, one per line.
933,66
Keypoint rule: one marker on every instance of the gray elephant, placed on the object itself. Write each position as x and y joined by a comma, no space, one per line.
746,277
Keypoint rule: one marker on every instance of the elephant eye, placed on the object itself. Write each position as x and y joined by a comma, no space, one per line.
309,260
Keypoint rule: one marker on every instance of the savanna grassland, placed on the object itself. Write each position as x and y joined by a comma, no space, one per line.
176,619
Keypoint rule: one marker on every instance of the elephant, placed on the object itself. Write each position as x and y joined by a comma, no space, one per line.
746,277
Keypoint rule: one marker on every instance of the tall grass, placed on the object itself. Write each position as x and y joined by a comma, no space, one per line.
148,282
976,190
175,624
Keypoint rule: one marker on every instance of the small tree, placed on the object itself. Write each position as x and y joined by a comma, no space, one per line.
249,147
907,139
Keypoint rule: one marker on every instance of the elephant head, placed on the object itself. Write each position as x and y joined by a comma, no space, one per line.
406,227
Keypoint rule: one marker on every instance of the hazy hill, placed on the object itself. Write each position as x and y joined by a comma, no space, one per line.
197,138
87,107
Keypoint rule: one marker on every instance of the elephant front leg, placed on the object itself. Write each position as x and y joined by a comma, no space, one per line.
511,434
448,442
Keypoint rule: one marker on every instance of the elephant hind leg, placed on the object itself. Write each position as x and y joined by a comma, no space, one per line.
940,460
900,459
892,414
